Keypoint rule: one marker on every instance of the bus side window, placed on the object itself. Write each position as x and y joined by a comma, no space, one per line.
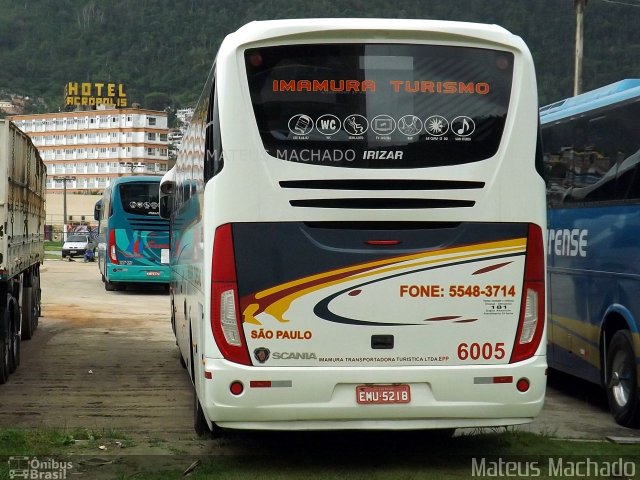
213,161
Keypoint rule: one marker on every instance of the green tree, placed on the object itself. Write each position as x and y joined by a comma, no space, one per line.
156,101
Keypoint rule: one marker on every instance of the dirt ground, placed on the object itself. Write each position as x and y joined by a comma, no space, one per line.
107,361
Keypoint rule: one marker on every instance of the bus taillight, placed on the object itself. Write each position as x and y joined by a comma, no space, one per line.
225,319
532,308
111,248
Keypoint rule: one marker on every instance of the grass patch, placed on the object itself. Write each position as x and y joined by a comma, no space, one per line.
56,441
328,455
32,442
408,456
93,438
50,245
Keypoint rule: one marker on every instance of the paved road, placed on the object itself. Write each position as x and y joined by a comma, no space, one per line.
107,360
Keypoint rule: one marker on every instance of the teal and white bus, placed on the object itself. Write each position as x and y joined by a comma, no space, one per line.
133,241
358,222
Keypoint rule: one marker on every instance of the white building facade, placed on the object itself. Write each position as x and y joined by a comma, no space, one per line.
89,148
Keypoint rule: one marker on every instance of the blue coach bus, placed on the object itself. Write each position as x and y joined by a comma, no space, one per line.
133,241
591,146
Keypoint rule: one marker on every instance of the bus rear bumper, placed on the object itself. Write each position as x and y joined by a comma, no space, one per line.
324,398
138,274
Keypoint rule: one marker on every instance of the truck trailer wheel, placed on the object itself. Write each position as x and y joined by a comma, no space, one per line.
13,320
29,313
4,351
37,295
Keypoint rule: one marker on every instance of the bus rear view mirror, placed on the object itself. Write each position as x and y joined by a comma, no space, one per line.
97,210
167,190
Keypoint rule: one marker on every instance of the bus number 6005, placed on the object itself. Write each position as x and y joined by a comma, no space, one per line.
486,351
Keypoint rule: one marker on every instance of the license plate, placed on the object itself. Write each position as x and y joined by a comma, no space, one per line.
377,394
153,274
73,251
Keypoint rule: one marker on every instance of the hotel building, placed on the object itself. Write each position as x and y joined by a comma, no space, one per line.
89,148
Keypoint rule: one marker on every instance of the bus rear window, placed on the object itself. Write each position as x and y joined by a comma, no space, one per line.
379,105
140,198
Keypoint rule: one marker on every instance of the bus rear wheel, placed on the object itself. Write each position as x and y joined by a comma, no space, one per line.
622,385
199,422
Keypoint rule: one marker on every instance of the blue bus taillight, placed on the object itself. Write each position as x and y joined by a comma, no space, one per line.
225,321
532,308
111,248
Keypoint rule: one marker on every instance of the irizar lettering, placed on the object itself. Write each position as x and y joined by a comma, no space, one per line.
568,243
382,155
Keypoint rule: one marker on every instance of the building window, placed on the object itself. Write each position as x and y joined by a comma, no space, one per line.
150,151
163,137
151,120
151,136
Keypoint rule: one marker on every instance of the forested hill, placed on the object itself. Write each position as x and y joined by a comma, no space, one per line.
162,50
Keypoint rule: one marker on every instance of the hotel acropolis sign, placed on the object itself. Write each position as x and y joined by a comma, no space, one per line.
95,93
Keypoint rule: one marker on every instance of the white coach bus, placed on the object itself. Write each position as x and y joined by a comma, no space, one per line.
357,216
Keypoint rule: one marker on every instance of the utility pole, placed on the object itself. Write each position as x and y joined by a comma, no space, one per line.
577,77
129,165
64,180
